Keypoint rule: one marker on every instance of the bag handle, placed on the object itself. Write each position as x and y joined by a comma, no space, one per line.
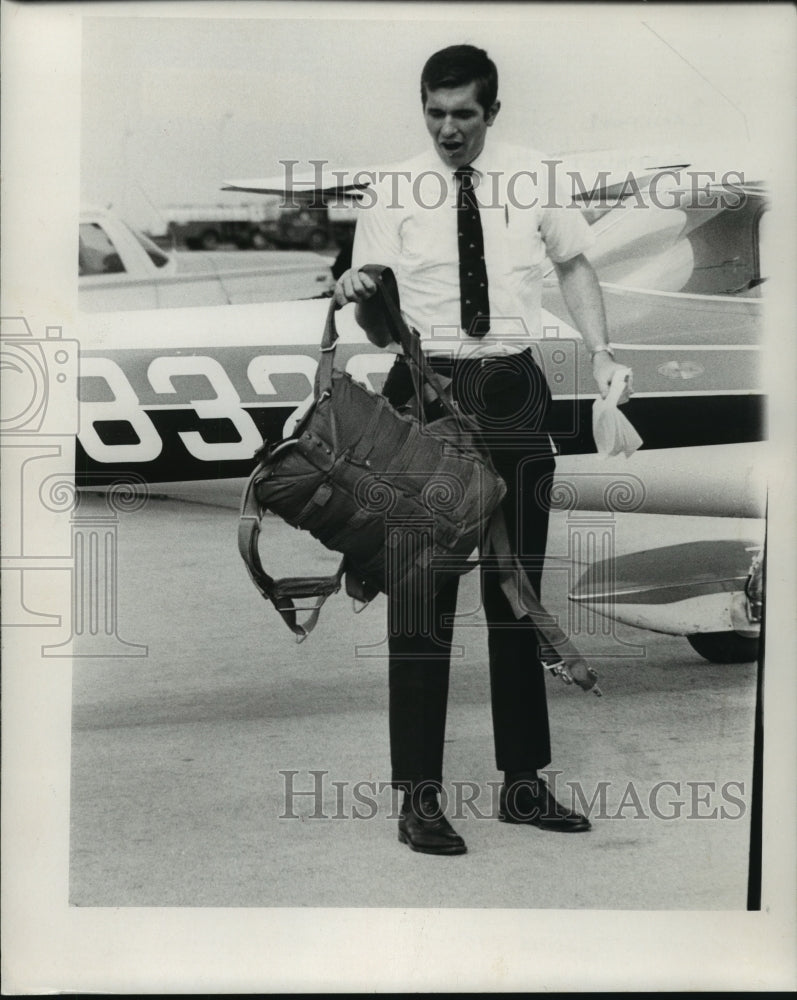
409,340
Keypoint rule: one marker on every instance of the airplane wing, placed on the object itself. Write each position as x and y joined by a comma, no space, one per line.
314,177
601,172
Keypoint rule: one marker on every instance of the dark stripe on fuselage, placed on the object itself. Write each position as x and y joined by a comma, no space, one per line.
666,421
662,421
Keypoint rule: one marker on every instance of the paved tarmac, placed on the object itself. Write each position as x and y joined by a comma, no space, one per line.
181,758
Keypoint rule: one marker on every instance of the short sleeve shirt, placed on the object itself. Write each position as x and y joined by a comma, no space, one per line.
408,222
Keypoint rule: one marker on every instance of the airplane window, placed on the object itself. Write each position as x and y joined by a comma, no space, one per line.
97,255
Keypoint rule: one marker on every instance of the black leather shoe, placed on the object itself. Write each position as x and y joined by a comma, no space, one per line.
424,827
532,803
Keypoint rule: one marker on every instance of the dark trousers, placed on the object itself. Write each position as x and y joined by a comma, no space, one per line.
510,399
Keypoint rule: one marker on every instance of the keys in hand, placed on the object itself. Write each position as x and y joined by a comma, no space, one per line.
582,675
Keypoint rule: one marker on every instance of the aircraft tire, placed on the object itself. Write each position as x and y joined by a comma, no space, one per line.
210,239
724,647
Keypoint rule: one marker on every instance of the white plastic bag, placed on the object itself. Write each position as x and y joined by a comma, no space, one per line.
612,430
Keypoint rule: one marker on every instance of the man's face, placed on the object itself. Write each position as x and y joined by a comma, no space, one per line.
457,123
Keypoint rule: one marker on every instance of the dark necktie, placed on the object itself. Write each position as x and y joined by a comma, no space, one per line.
474,298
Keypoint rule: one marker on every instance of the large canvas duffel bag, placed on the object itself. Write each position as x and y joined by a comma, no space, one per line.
404,500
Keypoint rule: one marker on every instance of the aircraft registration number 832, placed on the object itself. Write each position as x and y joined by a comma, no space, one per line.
112,397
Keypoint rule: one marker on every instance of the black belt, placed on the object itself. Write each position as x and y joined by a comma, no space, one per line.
447,365
450,366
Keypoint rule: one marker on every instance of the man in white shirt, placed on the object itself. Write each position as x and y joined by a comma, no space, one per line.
467,229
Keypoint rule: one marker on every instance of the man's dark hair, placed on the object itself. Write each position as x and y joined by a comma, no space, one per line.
457,66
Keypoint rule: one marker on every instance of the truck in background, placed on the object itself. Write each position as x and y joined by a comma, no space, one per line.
311,226
207,227
300,224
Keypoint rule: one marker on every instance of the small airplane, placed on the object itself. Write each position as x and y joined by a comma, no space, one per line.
181,399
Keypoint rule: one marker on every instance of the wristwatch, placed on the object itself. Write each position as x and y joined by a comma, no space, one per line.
601,350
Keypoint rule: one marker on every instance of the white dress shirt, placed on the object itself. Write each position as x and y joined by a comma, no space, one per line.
408,221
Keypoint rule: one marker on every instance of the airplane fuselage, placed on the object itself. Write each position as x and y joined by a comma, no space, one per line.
174,414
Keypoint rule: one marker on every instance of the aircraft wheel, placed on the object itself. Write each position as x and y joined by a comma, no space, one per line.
259,241
724,647
210,239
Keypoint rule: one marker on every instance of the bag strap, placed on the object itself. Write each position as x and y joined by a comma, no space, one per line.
286,592
410,341
523,598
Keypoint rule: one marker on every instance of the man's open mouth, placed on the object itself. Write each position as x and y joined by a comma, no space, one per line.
451,147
